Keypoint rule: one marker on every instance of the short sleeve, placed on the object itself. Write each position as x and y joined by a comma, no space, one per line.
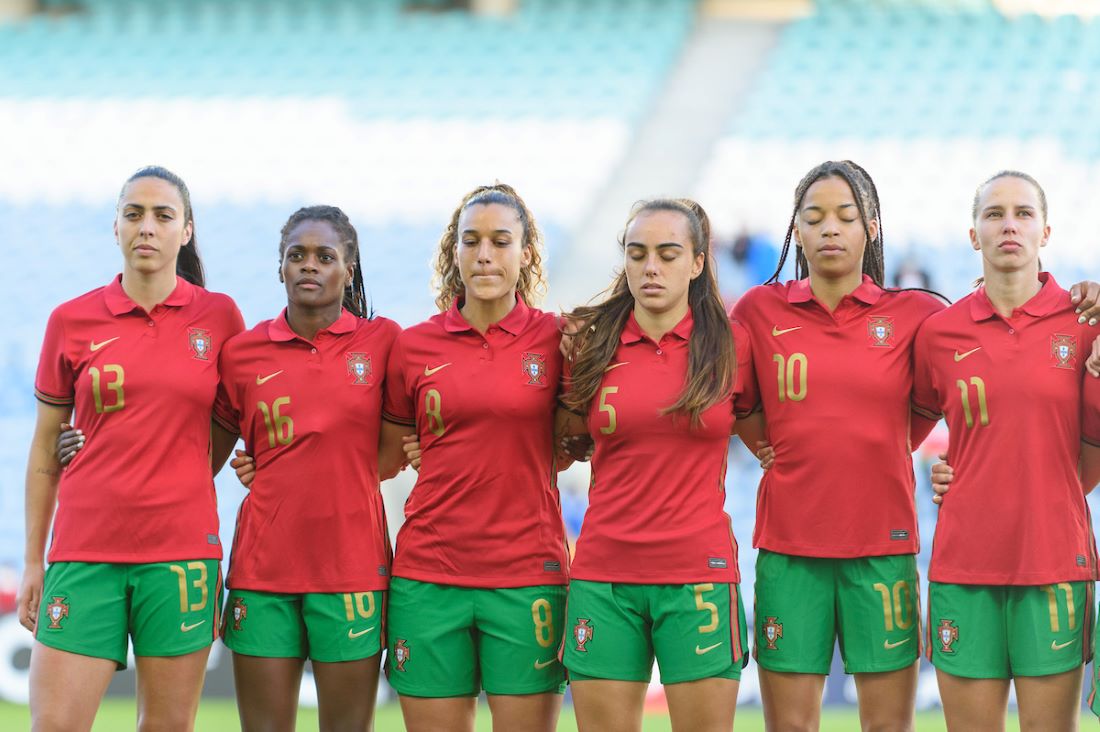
397,399
746,393
926,401
55,380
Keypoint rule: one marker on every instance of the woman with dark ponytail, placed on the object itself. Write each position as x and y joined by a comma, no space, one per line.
656,382
134,552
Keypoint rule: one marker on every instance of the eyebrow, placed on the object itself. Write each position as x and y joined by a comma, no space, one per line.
662,245
820,208
162,207
1018,207
494,232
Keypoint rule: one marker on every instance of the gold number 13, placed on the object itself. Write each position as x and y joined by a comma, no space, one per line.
113,386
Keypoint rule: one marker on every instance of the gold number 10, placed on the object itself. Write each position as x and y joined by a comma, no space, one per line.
792,382
897,606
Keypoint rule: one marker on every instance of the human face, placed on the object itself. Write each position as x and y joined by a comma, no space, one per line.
660,261
1010,228
829,229
490,254
314,267
149,226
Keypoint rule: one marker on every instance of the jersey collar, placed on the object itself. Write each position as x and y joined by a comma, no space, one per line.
279,328
1045,301
514,322
632,332
867,292
118,302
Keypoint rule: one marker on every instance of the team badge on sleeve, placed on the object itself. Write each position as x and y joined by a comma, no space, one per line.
359,367
1063,351
948,633
534,366
582,633
880,330
240,612
773,631
199,341
401,653
56,611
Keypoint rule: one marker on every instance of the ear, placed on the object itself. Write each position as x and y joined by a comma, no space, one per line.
525,256
697,265
281,273
116,232
349,275
797,238
1046,236
974,243
872,229
188,231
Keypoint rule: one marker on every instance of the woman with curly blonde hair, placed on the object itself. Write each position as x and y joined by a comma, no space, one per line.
478,590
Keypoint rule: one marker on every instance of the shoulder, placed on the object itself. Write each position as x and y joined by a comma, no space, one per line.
377,330
921,303
246,340
760,299
80,305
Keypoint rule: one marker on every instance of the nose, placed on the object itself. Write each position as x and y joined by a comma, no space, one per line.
148,224
1009,225
484,251
651,264
309,263
830,226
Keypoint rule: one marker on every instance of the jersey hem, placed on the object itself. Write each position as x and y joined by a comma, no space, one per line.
375,584
1045,578
731,578
496,583
121,558
817,552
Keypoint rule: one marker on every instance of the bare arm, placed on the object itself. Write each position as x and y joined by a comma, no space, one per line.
1089,466
391,453
221,444
43,475
571,439
752,430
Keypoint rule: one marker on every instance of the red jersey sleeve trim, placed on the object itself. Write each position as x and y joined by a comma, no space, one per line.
226,424
758,407
404,421
1090,441
926,413
54,400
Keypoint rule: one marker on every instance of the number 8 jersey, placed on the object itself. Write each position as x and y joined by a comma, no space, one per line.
1014,393
143,387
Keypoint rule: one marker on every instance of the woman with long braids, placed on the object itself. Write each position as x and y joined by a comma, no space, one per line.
832,355
654,381
311,555
134,552
1013,602
478,591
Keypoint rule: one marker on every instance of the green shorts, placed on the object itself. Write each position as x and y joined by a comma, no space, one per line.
695,631
804,605
447,641
998,631
322,626
166,608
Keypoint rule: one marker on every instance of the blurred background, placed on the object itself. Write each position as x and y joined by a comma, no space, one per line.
393,109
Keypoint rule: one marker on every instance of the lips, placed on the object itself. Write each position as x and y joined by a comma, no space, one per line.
307,283
1010,245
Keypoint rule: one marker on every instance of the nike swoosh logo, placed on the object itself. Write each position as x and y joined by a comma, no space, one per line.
96,346
888,645
777,332
539,665
961,356
615,366
354,634
429,372
700,651
1056,646
185,627
261,380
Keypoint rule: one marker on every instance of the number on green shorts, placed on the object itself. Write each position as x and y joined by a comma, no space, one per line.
897,606
358,603
543,617
706,605
200,583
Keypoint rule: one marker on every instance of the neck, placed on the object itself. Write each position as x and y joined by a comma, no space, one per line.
831,290
148,289
308,322
480,314
1010,290
655,325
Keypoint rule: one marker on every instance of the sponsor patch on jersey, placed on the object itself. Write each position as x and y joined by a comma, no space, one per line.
551,566
899,534
534,366
717,563
582,633
880,330
773,631
401,654
57,611
359,368
198,340
1063,351
948,634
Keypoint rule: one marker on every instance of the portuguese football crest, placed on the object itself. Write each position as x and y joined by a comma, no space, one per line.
582,633
401,653
56,611
198,339
534,366
880,330
773,631
359,368
240,612
1063,351
948,634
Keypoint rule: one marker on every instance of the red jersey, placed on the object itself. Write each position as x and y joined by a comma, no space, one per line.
485,509
835,388
1013,391
143,388
310,413
655,511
